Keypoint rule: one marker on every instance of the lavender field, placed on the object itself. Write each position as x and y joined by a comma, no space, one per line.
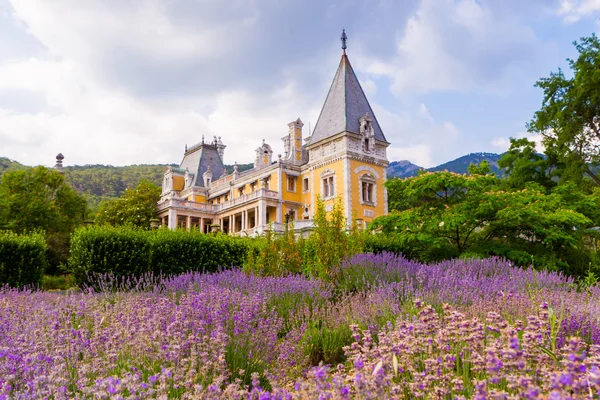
383,327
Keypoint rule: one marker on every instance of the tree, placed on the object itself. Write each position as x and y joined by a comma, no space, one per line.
135,208
569,119
442,205
474,214
39,199
524,164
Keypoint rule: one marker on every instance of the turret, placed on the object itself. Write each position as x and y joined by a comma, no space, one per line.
293,143
264,155
220,148
59,162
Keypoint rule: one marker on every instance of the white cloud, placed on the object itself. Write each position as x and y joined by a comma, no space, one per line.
502,143
457,45
416,136
574,10
91,119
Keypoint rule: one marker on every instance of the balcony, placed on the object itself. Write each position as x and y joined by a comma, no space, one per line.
188,205
246,198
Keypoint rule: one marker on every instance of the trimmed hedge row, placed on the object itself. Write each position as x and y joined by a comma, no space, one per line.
22,259
125,251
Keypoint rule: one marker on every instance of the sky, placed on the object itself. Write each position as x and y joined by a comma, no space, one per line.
125,82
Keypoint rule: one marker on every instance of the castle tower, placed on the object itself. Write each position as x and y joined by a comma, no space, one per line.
347,149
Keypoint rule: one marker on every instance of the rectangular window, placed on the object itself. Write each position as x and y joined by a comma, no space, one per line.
305,185
292,214
291,184
367,192
328,187
241,191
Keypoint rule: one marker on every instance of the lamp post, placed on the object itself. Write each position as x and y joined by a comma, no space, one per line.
154,223
287,221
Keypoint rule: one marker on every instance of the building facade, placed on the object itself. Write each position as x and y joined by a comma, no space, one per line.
343,159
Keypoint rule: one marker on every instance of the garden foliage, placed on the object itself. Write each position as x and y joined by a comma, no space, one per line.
330,242
22,259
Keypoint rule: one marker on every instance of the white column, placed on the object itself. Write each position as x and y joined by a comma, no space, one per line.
188,222
262,215
201,225
244,216
230,223
279,216
255,217
172,219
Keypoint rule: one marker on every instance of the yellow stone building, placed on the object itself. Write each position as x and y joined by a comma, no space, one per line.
344,158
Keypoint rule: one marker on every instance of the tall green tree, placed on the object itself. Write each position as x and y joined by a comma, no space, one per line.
569,119
136,207
39,199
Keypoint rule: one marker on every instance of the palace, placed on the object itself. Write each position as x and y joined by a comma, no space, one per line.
343,159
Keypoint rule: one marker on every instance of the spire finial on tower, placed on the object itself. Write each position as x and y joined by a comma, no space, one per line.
344,38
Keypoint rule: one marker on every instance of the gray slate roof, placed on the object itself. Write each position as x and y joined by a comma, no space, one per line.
197,160
346,103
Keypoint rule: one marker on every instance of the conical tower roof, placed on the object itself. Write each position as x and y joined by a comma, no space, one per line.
345,105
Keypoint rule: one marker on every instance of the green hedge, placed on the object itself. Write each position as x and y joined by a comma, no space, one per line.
174,252
22,259
121,251
126,251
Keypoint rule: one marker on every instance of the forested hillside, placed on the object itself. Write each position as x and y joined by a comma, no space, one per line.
6,164
101,182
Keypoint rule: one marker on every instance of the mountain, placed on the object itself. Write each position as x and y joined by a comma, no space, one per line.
405,169
402,169
461,164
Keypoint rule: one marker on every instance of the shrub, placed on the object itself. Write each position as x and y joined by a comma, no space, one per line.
424,249
59,282
125,251
174,252
22,258
276,255
101,249
330,242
